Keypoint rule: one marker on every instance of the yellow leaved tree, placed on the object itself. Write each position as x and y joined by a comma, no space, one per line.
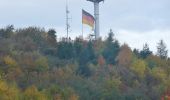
139,67
8,92
32,93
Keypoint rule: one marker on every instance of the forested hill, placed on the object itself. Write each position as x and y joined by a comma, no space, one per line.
36,66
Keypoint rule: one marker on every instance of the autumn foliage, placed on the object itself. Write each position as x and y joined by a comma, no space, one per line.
35,65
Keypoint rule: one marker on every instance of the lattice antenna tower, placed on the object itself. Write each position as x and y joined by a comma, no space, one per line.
67,20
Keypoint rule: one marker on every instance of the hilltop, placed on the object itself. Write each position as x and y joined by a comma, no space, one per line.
34,65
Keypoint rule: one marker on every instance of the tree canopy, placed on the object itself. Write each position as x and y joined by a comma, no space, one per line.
35,65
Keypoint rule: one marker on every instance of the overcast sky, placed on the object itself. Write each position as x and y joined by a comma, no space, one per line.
134,22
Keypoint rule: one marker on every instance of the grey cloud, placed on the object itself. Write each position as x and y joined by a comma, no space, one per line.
133,15
137,15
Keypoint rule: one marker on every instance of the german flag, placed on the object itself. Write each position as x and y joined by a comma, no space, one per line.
88,19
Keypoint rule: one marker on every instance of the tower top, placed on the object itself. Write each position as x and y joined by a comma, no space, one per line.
95,0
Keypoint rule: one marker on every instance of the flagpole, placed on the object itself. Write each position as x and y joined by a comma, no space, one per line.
82,30
82,26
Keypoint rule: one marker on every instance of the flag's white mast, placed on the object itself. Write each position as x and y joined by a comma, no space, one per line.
96,16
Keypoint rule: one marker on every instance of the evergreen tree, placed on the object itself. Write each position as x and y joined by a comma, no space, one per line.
136,52
86,57
7,32
145,52
52,36
78,47
112,48
110,37
65,50
162,52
